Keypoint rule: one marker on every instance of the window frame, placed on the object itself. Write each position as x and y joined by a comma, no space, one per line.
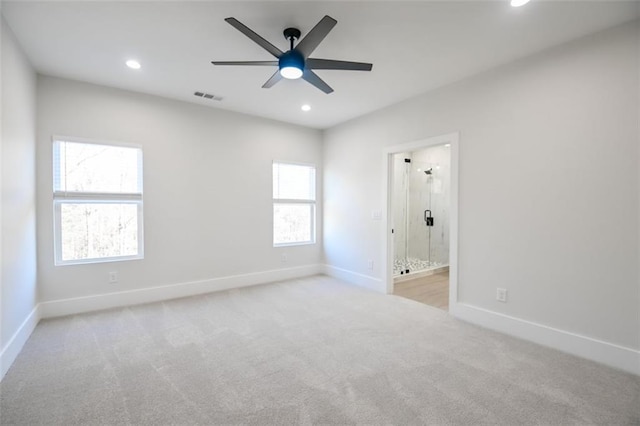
61,197
310,202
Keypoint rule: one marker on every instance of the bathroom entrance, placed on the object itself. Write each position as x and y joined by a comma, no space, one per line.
420,189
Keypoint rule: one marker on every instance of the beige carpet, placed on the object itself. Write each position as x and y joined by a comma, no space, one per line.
311,351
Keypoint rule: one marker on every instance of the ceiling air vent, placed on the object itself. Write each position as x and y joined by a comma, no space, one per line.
207,96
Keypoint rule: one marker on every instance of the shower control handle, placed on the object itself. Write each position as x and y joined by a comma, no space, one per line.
428,219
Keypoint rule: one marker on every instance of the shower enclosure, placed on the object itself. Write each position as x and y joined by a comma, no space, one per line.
420,206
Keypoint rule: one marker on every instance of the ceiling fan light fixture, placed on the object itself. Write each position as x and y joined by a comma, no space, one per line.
291,65
291,72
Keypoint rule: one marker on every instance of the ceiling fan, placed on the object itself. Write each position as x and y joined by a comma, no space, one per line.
295,62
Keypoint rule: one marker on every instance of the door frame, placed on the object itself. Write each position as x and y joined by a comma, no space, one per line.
387,261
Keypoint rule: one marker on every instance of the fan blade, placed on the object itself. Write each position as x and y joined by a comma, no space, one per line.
273,80
330,64
313,78
309,43
274,63
255,37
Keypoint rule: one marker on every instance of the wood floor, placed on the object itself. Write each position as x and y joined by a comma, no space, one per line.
432,290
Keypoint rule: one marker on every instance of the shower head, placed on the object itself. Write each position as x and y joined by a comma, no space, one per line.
429,172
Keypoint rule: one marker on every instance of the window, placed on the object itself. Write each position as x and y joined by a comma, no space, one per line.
97,202
294,204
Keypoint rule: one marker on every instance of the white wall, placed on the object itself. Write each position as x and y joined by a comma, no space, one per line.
548,195
18,213
207,187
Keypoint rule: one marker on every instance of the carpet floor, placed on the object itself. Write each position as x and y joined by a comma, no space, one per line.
308,351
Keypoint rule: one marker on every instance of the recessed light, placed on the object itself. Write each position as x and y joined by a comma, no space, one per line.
133,64
305,107
518,3
447,145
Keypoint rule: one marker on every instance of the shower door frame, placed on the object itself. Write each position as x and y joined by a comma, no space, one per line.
387,261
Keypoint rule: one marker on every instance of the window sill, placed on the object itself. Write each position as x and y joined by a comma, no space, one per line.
98,260
305,243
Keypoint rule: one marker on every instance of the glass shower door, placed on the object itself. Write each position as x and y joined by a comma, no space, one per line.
420,202
429,241
400,200
420,215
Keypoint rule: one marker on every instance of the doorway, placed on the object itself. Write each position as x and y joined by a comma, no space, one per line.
421,236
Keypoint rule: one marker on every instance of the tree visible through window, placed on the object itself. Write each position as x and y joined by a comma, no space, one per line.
97,196
294,204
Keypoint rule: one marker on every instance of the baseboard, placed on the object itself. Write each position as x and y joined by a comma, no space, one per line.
356,278
78,305
17,341
615,356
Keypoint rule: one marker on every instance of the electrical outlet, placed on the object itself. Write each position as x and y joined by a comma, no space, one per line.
501,295
283,257
376,215
370,264
113,277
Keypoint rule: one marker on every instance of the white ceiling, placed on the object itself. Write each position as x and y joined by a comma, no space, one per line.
414,46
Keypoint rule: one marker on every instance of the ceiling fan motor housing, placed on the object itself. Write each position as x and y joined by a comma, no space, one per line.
291,59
